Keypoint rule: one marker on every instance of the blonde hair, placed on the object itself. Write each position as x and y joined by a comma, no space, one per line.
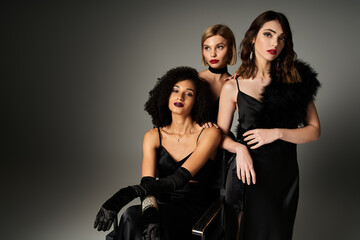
225,32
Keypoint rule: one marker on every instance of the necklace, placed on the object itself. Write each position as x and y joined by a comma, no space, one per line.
179,138
218,70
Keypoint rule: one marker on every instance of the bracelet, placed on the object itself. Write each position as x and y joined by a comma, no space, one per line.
148,202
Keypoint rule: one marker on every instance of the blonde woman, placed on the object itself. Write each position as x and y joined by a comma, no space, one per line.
218,48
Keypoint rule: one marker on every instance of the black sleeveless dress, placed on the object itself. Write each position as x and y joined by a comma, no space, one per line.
179,210
269,206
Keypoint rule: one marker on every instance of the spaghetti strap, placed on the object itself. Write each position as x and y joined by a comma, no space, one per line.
199,135
159,135
237,83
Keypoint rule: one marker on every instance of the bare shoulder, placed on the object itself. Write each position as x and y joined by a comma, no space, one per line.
229,89
230,85
151,133
202,74
211,133
151,137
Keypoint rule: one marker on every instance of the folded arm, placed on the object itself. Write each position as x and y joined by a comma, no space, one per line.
308,133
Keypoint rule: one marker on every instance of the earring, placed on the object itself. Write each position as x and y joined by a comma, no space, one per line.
278,63
251,52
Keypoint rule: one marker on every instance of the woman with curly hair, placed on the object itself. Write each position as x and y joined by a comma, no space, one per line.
273,94
180,153
218,50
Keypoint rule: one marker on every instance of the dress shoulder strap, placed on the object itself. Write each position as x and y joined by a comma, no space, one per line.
199,135
237,83
159,135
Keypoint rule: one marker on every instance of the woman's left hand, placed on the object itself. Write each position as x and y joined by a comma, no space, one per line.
113,205
235,76
210,125
259,137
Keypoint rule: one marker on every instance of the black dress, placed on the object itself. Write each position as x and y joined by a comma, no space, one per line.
180,210
269,206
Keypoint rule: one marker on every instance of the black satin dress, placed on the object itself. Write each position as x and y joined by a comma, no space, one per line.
270,205
180,210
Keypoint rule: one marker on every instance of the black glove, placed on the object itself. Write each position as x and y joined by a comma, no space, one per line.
149,207
145,180
125,195
104,219
168,184
120,199
111,208
150,213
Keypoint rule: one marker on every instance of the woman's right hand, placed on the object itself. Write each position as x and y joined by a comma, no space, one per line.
244,165
104,219
112,206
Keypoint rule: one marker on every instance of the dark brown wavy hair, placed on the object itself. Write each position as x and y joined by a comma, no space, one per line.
158,103
283,65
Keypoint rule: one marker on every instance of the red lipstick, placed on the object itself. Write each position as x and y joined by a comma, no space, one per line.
178,104
272,51
214,61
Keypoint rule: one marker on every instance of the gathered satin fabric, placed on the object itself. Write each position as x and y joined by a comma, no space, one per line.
269,206
179,210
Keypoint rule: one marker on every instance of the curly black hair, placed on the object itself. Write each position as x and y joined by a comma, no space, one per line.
158,103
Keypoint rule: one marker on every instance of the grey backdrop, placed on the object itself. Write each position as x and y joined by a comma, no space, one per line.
75,77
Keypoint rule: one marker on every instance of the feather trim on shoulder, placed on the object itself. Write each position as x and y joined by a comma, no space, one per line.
285,104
